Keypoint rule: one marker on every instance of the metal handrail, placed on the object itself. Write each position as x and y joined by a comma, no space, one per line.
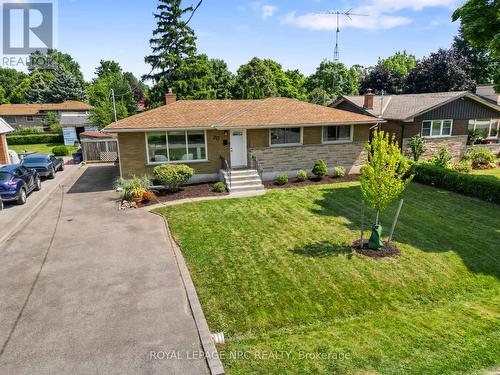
257,166
225,167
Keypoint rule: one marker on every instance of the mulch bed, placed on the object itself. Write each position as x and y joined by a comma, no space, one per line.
293,183
190,191
389,250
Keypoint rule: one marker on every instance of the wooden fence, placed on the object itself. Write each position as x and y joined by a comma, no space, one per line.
100,151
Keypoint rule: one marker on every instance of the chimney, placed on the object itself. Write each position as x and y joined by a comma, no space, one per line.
170,97
368,100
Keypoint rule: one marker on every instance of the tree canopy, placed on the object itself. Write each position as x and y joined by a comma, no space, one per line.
255,80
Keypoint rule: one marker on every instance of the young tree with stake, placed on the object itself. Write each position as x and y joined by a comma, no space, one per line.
383,178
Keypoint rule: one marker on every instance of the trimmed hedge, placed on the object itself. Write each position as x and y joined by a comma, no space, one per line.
33,139
482,187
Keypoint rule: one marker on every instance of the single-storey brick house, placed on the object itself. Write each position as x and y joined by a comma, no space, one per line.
275,135
444,118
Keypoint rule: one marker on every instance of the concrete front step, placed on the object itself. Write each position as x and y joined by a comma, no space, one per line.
249,182
240,189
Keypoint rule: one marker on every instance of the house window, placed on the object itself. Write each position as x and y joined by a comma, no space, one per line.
286,136
10,119
176,146
30,119
489,127
437,128
340,133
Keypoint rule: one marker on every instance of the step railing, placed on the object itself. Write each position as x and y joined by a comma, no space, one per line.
257,166
225,167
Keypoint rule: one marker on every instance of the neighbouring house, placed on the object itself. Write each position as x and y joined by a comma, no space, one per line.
275,135
74,124
33,115
4,151
444,119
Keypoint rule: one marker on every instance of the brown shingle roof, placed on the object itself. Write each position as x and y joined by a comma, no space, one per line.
35,108
237,113
407,106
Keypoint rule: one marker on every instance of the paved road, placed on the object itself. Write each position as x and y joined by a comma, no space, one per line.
104,295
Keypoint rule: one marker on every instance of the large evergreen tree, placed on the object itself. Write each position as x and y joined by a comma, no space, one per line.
65,87
173,41
193,79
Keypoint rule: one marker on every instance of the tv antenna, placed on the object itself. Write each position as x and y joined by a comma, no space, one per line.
348,14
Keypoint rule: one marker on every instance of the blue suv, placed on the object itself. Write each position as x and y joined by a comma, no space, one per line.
16,182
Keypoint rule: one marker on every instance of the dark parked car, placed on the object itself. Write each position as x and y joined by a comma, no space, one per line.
45,165
78,156
16,182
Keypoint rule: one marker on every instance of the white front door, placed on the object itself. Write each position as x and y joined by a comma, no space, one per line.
238,148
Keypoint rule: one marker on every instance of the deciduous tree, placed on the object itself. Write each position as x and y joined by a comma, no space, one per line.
255,80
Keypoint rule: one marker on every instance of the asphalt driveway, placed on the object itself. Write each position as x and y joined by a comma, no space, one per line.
88,289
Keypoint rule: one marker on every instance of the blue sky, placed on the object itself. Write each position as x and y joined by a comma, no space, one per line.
288,31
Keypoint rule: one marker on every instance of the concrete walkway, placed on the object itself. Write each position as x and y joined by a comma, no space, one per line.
88,289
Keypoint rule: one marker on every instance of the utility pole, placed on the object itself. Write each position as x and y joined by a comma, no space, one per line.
114,103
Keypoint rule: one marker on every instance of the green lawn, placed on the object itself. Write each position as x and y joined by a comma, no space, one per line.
489,172
43,148
276,274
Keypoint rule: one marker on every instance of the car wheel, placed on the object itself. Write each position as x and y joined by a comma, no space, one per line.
1,205
38,184
62,167
52,174
21,199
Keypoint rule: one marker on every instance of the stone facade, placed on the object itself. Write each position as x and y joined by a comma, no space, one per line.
287,159
456,146
4,155
493,147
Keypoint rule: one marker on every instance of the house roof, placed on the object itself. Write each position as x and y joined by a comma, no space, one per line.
407,106
96,135
222,114
35,108
4,127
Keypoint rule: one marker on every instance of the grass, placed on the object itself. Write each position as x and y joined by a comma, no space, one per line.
277,275
43,148
489,172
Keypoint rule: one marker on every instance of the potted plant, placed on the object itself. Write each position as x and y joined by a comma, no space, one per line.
147,196
138,195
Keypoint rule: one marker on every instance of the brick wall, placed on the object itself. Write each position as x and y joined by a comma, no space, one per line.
4,155
134,161
456,146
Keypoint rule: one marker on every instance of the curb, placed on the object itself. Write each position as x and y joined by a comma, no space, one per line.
211,355
28,215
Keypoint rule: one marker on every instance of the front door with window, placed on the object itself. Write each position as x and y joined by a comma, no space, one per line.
238,148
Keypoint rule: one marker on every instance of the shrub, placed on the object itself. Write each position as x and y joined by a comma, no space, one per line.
464,166
301,175
441,158
338,172
129,187
417,147
28,130
320,169
281,179
482,187
480,157
173,176
219,187
60,151
32,139
56,128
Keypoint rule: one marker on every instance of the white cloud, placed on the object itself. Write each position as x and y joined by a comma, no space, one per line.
268,11
380,15
265,10
329,22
